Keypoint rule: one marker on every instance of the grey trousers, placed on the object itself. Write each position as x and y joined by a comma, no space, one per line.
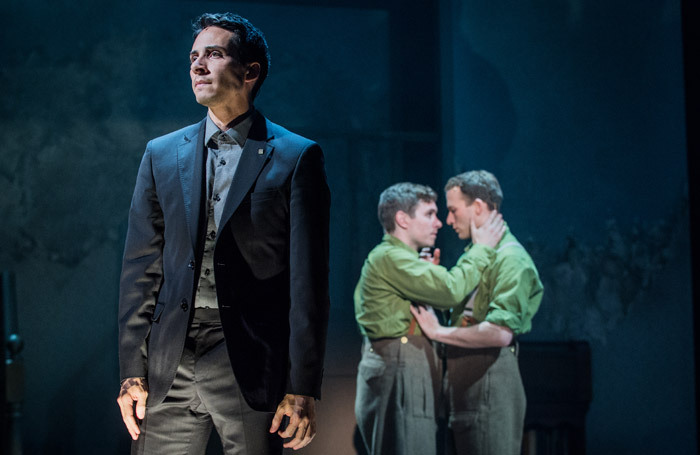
485,400
205,395
398,381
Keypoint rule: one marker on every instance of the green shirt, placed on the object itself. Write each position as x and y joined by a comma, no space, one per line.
393,276
510,290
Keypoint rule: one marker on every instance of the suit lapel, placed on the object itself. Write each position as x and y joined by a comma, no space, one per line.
256,151
190,164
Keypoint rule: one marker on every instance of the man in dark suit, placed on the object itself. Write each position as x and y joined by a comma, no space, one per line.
224,289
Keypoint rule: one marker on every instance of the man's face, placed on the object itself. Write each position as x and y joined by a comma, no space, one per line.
461,212
423,226
217,79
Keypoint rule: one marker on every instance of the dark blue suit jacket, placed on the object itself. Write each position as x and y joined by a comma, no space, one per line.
271,263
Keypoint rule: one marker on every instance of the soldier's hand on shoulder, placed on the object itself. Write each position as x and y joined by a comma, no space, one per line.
489,233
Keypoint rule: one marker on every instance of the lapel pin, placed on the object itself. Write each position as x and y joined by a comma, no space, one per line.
260,151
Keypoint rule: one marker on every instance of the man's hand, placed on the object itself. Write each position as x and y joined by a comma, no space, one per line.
302,420
426,256
426,319
133,390
491,232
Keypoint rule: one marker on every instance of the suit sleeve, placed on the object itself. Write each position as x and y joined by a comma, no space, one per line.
308,316
142,272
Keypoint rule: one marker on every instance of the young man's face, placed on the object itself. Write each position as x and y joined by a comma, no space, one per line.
460,212
217,79
423,226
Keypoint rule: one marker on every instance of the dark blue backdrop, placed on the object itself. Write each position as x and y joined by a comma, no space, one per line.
576,106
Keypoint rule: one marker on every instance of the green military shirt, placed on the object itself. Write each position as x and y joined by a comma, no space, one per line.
510,290
393,276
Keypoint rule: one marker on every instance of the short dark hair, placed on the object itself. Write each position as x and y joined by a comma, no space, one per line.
404,197
247,44
478,184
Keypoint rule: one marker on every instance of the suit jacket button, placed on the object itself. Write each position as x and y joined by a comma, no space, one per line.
184,305
191,265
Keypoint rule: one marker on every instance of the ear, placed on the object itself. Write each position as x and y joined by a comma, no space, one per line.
480,207
401,219
253,72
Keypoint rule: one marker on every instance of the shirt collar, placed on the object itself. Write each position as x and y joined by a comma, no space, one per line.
238,132
506,233
396,242
503,240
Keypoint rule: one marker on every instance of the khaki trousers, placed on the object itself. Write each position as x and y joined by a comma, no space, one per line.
485,400
398,381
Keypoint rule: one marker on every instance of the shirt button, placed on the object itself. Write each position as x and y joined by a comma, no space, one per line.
222,162
184,305
217,198
212,235
207,272
404,340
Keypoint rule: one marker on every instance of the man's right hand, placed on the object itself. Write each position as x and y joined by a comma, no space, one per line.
133,391
489,233
427,320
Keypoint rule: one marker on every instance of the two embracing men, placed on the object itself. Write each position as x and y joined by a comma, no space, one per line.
471,373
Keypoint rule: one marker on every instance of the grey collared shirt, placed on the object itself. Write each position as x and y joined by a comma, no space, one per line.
223,154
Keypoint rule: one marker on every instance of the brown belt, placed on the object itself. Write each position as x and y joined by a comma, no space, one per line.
468,321
412,327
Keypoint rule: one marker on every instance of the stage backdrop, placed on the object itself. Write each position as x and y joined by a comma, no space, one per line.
576,106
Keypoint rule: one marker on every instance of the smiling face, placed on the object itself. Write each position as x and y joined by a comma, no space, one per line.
218,80
461,212
423,226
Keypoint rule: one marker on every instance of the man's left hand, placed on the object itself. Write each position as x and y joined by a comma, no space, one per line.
302,420
426,255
